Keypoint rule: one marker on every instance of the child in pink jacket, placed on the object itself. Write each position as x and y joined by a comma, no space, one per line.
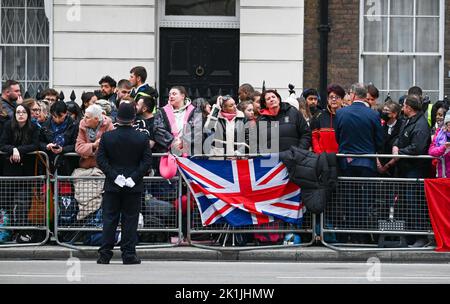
440,147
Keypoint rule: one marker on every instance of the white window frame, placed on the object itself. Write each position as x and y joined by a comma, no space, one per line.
48,6
439,54
226,22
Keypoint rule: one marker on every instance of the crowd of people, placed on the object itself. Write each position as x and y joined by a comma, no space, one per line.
352,121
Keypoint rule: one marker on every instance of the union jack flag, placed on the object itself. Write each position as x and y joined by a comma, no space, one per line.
242,192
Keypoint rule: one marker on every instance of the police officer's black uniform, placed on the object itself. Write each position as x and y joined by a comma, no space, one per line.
123,151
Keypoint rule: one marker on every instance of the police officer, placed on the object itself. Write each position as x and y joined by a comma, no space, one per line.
124,156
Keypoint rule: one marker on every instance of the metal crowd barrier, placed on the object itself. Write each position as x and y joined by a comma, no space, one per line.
24,203
159,219
227,236
385,209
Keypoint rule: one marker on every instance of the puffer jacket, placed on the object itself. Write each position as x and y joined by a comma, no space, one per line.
86,148
315,174
292,128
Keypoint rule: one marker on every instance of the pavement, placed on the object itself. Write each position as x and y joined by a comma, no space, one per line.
319,254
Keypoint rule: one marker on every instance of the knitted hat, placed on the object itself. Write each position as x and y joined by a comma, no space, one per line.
308,92
126,113
447,118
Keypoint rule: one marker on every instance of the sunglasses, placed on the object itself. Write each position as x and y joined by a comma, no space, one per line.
226,97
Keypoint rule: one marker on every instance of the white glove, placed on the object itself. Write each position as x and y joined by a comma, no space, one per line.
129,182
120,180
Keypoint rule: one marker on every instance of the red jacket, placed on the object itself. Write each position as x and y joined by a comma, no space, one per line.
323,133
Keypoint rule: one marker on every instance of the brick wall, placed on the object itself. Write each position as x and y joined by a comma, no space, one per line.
343,43
311,66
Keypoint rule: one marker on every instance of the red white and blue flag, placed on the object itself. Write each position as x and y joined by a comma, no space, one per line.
242,192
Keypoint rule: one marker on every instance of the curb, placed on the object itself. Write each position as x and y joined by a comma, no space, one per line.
302,255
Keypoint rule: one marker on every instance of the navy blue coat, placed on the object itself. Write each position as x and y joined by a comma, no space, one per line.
359,131
124,151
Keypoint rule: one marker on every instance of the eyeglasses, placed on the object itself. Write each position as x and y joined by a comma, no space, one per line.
36,110
334,97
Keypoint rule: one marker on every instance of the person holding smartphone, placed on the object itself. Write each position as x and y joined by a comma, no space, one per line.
58,136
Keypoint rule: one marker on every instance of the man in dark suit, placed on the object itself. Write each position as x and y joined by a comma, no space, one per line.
358,131
124,156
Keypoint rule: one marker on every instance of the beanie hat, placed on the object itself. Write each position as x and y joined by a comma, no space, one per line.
126,113
309,92
447,118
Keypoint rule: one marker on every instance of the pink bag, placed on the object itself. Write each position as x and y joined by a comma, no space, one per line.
168,166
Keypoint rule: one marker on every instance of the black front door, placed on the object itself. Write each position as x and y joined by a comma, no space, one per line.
204,61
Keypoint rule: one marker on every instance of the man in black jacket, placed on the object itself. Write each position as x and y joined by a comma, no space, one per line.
414,139
124,156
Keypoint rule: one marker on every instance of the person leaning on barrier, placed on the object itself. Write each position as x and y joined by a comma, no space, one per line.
91,128
292,127
19,138
58,135
226,125
123,184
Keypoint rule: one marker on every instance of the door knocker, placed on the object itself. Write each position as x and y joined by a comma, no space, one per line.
200,71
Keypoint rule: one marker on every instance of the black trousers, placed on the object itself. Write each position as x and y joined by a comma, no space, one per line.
124,207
